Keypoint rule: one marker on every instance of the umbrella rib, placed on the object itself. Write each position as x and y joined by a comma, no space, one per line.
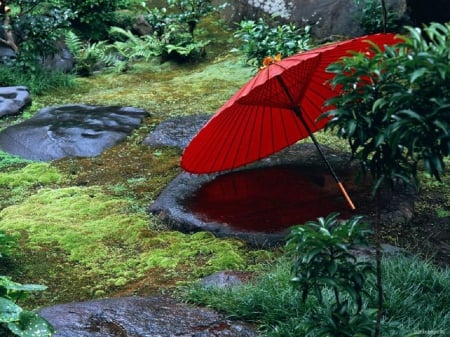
221,151
243,127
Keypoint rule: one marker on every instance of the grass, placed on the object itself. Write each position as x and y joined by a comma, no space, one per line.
416,299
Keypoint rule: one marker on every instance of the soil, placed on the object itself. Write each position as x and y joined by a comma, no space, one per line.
428,232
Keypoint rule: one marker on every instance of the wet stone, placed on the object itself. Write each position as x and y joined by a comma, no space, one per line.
13,100
140,317
70,131
176,131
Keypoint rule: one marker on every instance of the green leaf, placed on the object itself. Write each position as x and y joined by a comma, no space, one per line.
417,74
9,311
31,325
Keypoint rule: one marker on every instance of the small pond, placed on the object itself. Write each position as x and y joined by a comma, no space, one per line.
268,199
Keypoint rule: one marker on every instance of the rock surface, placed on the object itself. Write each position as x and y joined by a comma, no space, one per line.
328,17
177,131
13,100
70,131
140,317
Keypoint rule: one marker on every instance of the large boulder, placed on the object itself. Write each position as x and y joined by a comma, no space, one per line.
140,317
329,17
70,131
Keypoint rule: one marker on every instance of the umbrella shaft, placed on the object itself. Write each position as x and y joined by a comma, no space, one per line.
330,168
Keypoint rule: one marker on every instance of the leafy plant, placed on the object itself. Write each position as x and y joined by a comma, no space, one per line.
179,45
322,257
134,47
175,28
94,17
13,318
191,11
394,111
394,107
323,261
373,18
88,56
261,39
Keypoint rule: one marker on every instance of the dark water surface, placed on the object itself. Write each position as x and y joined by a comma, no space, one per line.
268,199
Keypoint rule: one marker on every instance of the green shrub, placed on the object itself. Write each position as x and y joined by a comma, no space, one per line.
261,39
36,79
394,107
324,262
370,17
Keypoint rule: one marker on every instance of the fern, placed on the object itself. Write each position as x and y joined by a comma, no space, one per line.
135,47
88,56
73,42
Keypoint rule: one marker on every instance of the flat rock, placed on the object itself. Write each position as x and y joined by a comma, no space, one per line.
70,131
13,100
140,317
176,131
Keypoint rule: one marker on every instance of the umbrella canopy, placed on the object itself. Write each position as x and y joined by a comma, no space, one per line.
260,118
275,109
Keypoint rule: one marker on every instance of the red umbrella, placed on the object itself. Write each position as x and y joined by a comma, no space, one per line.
275,109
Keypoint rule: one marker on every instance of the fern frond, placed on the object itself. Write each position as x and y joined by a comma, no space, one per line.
73,43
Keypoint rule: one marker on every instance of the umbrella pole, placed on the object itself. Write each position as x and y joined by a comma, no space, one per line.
316,143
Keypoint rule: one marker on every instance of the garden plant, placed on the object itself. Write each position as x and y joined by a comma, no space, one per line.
394,111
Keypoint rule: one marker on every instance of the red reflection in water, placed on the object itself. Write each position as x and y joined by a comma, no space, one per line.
268,199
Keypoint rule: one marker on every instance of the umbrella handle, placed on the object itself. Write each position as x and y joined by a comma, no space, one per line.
346,196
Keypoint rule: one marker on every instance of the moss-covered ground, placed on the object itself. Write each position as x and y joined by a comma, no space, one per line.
81,224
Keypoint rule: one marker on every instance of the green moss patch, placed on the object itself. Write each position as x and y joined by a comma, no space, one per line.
32,175
101,240
18,182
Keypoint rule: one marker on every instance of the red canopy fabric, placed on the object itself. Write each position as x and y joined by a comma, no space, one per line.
260,119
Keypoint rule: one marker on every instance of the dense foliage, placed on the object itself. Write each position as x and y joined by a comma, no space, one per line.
395,107
94,17
264,38
373,18
324,261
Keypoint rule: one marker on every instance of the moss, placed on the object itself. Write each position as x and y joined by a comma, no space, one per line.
101,240
31,175
203,252
7,160
164,89
17,182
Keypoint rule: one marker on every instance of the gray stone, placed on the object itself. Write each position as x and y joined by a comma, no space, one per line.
13,100
62,60
176,131
225,279
140,317
70,131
